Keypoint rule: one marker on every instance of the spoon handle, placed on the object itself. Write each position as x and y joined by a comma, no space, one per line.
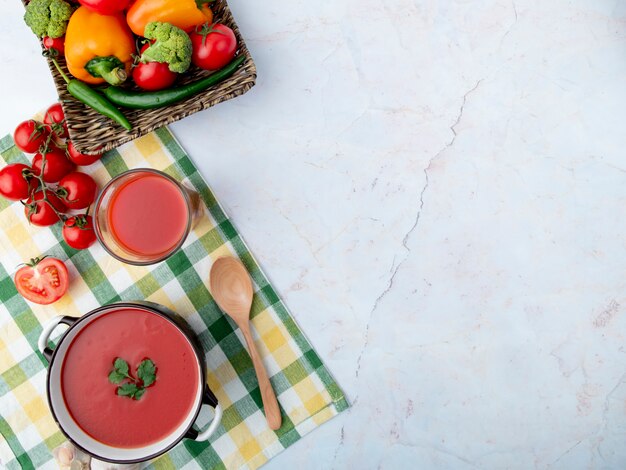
270,404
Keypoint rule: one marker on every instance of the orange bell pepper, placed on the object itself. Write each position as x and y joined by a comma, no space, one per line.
205,8
98,48
184,14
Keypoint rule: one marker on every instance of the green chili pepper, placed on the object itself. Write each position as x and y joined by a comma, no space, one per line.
157,99
110,68
87,95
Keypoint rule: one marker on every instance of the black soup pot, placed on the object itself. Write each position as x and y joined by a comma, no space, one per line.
203,395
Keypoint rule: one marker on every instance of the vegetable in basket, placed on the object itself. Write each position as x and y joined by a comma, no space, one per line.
153,75
171,46
105,7
98,48
48,17
157,99
58,44
214,45
184,14
87,95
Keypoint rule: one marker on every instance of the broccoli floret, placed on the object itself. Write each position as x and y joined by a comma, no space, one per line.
172,46
48,17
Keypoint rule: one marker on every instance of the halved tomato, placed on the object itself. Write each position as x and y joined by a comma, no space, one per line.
43,280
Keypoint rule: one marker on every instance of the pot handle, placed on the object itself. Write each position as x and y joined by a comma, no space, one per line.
49,327
207,399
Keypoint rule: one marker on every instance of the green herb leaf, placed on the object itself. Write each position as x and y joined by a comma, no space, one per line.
146,371
119,372
134,388
127,390
115,377
121,366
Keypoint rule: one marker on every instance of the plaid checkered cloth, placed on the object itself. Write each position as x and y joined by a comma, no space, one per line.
307,393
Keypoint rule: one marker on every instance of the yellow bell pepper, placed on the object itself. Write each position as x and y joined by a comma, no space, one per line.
184,14
98,48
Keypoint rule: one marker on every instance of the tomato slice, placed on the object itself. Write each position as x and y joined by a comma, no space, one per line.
43,280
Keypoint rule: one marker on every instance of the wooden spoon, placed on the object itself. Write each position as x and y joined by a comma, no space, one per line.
231,288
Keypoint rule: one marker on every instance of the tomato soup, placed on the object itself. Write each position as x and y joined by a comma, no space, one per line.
132,334
148,215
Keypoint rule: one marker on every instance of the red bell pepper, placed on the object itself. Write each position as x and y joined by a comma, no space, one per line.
105,7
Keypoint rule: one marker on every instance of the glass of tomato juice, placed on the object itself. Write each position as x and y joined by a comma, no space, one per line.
143,216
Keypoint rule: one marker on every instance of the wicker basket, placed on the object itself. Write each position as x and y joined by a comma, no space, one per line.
93,133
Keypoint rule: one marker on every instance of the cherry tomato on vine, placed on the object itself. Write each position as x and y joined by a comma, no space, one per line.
57,44
30,135
40,212
17,182
78,232
57,165
77,190
153,75
55,119
80,159
43,280
214,46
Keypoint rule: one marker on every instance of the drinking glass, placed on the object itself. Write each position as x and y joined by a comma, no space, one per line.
106,234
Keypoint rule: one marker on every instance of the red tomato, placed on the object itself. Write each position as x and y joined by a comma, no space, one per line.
57,165
105,7
17,182
213,46
78,232
30,135
77,190
153,75
58,44
40,212
80,159
55,119
43,280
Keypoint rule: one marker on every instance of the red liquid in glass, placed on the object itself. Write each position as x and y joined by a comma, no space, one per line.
132,334
148,215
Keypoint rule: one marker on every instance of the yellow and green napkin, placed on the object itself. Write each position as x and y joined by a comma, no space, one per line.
307,393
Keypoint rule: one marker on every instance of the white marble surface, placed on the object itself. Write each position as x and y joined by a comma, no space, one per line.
438,190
